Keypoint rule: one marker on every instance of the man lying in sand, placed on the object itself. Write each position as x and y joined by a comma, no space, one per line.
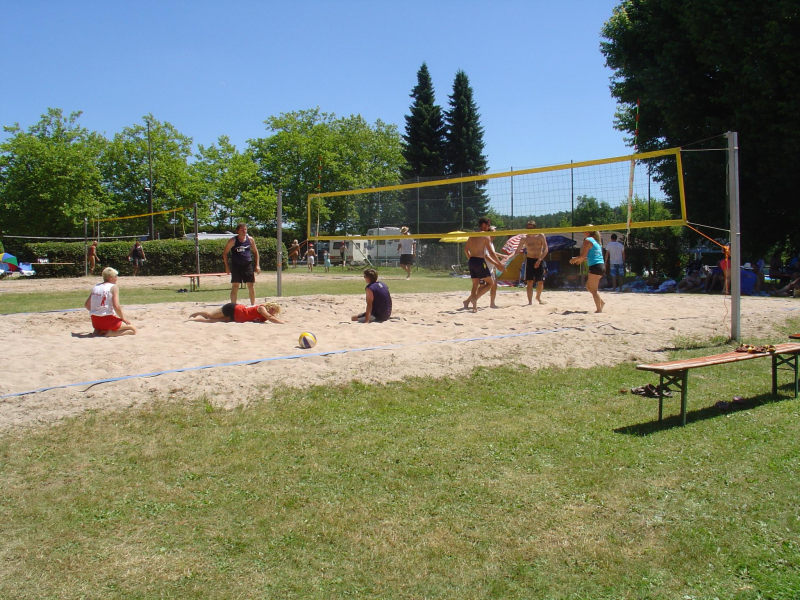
238,313
103,302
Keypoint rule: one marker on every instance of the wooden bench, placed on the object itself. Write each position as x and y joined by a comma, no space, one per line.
794,336
194,279
676,373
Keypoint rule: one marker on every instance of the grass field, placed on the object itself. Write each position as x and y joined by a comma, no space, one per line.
510,483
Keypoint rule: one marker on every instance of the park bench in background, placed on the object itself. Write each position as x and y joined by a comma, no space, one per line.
195,279
676,372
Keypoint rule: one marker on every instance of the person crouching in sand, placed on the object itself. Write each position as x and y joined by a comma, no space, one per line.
592,253
239,313
102,303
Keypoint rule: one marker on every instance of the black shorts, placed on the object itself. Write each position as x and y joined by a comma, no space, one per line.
406,259
597,269
242,273
478,268
227,310
532,272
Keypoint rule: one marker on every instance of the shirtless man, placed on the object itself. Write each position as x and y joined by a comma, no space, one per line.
535,244
479,251
310,256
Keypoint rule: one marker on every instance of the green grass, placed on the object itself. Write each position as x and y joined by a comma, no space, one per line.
218,290
506,484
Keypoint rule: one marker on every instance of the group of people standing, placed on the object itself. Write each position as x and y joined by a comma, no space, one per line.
481,254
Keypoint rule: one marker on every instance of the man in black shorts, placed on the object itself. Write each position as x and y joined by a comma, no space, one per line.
406,248
244,253
481,253
534,245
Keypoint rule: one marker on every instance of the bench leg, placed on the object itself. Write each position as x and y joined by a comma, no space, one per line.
681,381
777,362
684,395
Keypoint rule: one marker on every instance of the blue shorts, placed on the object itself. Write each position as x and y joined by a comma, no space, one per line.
617,270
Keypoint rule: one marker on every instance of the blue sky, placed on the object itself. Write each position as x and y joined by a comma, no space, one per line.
221,68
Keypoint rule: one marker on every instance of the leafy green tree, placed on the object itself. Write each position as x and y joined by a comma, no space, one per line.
658,248
425,155
125,168
464,150
49,176
588,211
231,189
703,68
309,151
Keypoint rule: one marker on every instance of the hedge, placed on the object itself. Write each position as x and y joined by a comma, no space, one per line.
164,257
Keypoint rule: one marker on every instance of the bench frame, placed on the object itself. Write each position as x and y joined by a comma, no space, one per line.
676,373
194,279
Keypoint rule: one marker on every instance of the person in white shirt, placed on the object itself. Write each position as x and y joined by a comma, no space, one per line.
102,303
615,258
407,248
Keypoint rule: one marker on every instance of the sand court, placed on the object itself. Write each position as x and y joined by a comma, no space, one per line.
428,336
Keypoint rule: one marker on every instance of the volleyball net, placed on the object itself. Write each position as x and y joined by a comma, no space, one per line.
611,194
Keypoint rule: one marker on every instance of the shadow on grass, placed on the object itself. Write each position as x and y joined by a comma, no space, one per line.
701,414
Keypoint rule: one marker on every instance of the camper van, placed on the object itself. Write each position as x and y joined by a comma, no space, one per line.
356,251
381,251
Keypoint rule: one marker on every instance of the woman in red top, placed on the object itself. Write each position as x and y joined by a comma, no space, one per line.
239,313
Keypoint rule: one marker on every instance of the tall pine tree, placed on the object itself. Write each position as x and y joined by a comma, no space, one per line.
424,152
464,152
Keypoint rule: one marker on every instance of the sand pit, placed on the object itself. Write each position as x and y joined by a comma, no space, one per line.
428,336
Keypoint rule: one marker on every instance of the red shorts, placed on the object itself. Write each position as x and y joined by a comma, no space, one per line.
106,323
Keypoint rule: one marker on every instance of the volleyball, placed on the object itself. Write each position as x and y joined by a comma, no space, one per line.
307,340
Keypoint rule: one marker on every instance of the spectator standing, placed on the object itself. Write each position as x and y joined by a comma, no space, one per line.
615,259
407,249
137,257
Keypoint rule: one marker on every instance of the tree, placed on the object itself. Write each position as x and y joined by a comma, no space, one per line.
49,176
309,151
464,150
126,176
425,155
703,68
231,189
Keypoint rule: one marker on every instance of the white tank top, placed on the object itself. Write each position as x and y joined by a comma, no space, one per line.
101,300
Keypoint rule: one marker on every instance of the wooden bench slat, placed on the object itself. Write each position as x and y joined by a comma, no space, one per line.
718,359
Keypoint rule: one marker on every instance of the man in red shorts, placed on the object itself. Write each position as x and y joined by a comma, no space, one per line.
238,313
103,302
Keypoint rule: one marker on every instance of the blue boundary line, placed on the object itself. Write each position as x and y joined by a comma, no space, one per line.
288,357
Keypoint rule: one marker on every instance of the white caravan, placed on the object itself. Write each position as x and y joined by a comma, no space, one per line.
383,250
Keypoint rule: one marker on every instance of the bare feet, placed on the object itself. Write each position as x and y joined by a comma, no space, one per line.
466,303
602,304
541,301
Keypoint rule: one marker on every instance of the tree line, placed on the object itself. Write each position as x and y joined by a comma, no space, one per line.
57,172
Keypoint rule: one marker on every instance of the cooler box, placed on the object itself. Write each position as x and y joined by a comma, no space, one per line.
748,282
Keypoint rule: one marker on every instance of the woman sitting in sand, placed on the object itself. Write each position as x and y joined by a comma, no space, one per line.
239,313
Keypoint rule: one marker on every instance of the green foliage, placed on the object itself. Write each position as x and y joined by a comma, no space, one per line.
311,150
464,152
424,139
126,175
704,68
164,257
49,176
231,190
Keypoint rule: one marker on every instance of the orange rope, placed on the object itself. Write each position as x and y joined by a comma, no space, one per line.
725,249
